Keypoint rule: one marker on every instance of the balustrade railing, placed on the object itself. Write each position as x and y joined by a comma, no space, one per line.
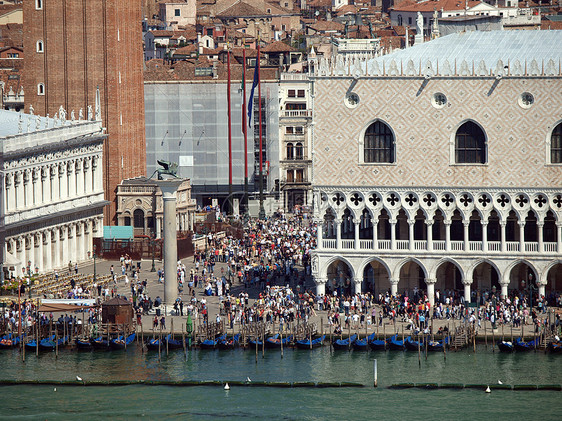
329,243
475,245
494,246
457,245
512,246
402,244
420,244
366,244
347,244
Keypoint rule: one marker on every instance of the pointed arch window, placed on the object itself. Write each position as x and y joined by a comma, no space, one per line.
556,145
379,144
470,144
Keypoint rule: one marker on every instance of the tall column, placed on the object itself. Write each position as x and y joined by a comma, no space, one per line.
23,252
393,287
31,256
542,288
169,188
8,192
86,168
79,177
48,251
18,185
447,223
484,234
430,283
58,248
429,226
466,238
411,223
62,186
71,177
46,185
375,234
64,238
40,253
502,229
338,233
27,191
54,179
521,236
392,234
559,236
319,233
36,194
540,226
320,285
504,286
467,283
356,223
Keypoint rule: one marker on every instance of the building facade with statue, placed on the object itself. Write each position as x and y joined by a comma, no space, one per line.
140,205
52,190
439,167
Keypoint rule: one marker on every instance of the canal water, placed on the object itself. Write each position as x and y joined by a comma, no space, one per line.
319,365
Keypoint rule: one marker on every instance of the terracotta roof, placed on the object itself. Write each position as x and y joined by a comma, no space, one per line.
430,6
241,9
7,8
278,47
161,33
322,26
250,52
320,3
185,51
551,24
12,34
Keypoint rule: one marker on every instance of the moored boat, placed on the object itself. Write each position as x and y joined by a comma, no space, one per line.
211,343
9,341
437,346
275,341
229,343
121,342
377,345
83,344
306,343
522,346
342,344
412,345
395,344
49,344
100,343
505,346
555,347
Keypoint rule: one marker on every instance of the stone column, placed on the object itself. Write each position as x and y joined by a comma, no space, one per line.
40,253
158,227
542,288
466,238
71,178
392,234
430,283
504,286
31,256
357,285
18,184
429,226
320,285
27,191
411,223
64,234
338,233
36,199
394,286
58,250
521,236
319,229
502,228
540,227
169,188
86,167
79,177
8,188
375,234
23,253
447,223
48,251
46,183
559,237
467,283
54,183
484,235
62,187
356,223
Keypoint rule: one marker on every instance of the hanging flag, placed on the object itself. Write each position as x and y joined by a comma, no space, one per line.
254,84
243,94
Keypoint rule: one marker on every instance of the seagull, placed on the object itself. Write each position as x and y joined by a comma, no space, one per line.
55,389
500,382
226,387
79,378
248,380
488,390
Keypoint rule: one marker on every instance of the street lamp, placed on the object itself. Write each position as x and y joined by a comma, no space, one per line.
94,264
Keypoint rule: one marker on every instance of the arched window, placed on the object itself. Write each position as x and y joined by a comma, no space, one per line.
298,151
556,145
40,89
138,218
39,46
399,20
470,144
379,144
290,151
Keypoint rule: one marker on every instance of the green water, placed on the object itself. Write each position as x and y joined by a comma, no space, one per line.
320,365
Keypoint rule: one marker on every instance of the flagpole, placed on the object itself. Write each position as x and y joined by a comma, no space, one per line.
245,130
262,211
229,134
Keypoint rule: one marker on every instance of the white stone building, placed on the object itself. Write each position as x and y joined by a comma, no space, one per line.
52,190
440,166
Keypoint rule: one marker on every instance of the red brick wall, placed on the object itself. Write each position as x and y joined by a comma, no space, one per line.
87,43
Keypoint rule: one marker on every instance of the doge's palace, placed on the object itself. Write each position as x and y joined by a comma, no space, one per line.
52,189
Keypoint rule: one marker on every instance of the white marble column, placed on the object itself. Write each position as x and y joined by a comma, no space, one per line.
320,285
357,285
559,236
542,288
504,286
394,286
484,234
411,223
40,253
392,234
53,183
447,223
319,233
79,177
62,187
18,185
429,226
540,227
58,248
86,167
356,223
375,233
71,177
32,256
430,283
467,283
466,237
338,233
521,236
23,253
48,251
27,190
8,192
35,187
502,229
64,239
46,185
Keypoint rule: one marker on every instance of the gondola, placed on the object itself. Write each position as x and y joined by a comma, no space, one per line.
361,345
305,343
32,344
229,343
173,343
50,344
522,346
253,342
211,343
437,346
505,346
100,343
275,341
9,341
377,345
395,344
83,344
412,345
555,347
342,344
122,342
